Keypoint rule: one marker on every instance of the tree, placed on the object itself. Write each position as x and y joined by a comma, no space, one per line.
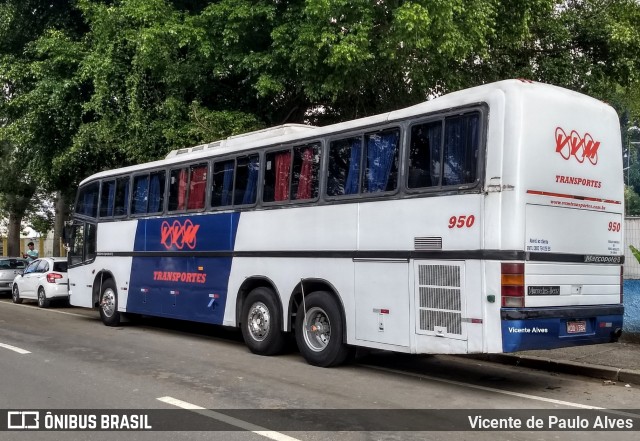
39,106
97,84
16,191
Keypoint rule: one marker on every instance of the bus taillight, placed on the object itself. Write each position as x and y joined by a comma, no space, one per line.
512,285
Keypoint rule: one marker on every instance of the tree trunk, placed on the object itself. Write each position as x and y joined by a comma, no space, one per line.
62,214
13,235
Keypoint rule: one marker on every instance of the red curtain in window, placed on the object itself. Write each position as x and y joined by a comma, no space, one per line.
306,177
182,189
283,171
197,188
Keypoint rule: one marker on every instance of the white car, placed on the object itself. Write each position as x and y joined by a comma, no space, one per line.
43,280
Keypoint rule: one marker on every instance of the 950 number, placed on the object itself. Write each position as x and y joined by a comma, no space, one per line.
462,221
614,226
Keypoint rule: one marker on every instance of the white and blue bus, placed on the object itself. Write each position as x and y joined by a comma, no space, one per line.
487,220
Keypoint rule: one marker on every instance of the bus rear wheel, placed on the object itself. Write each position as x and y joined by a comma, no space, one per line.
262,323
320,330
109,304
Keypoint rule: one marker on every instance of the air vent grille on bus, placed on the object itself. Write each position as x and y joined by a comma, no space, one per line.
440,299
427,243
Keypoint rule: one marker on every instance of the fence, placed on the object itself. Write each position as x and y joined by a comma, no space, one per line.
631,237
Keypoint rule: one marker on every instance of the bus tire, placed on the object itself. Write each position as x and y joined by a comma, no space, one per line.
108,305
262,323
320,330
15,294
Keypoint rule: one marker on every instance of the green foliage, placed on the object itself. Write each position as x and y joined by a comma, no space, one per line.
631,202
96,84
635,252
41,221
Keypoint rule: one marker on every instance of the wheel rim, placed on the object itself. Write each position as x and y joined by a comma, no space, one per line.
15,293
40,297
108,302
259,321
317,329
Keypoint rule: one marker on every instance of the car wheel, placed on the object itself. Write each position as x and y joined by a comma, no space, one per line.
43,302
109,304
261,323
320,331
15,295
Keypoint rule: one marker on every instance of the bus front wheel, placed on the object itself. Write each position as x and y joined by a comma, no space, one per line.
261,323
109,304
320,330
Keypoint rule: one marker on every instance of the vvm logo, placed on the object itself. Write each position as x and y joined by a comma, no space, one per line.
580,147
178,234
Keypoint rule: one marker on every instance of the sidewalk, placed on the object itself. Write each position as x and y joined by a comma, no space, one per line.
618,362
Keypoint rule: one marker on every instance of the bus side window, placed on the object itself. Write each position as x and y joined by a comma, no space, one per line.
344,167
306,163
76,250
246,180
222,185
424,155
156,192
91,242
107,198
381,159
277,176
122,197
461,145
178,189
197,186
148,193
140,194
88,200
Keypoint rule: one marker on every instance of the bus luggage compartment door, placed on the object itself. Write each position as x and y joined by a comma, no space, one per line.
382,301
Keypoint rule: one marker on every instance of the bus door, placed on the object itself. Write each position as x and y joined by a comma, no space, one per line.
80,239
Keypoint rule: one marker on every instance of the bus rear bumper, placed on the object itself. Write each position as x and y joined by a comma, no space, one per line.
550,328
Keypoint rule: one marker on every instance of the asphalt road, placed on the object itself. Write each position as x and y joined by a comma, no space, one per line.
74,363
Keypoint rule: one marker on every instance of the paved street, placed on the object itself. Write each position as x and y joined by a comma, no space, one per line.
74,362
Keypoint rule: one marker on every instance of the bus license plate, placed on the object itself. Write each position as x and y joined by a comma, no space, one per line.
576,327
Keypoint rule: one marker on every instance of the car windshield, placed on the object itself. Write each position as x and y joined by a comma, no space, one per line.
60,266
11,264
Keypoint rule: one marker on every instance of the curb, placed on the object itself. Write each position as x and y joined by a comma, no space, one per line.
567,367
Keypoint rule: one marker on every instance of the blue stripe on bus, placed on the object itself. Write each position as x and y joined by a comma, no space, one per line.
551,333
189,287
